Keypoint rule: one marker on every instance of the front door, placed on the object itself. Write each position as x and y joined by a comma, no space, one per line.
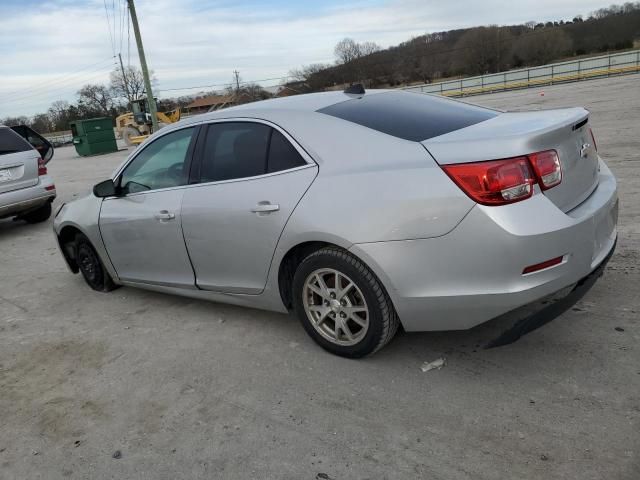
141,228
251,179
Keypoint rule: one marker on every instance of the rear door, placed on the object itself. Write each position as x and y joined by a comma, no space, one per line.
37,141
251,178
18,162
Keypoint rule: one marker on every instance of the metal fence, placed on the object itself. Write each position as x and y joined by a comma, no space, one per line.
571,71
59,138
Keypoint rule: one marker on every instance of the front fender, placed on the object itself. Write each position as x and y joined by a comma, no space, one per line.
82,215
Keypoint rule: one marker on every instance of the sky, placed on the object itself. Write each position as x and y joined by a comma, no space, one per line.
50,48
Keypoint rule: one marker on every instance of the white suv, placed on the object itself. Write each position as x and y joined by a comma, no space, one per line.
26,191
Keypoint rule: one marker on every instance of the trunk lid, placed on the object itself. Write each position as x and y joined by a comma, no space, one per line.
18,162
513,134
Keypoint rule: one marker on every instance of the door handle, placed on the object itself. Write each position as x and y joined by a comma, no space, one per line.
164,215
265,207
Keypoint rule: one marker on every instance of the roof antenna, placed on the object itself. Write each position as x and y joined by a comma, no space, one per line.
355,89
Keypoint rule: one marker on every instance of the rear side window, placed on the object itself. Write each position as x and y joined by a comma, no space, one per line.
11,142
407,115
244,149
282,155
235,150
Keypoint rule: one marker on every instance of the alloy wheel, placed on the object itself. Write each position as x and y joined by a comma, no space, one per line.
335,306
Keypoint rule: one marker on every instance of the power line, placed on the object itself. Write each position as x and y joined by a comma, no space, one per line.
368,61
106,13
38,86
70,79
128,37
40,97
226,84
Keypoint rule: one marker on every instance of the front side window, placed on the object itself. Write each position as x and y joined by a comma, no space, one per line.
162,164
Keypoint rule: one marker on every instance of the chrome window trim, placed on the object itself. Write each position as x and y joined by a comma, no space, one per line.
310,162
303,153
138,150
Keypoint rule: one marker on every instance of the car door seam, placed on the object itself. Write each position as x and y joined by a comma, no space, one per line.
284,226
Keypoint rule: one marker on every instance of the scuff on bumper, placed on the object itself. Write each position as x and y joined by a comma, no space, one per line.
555,306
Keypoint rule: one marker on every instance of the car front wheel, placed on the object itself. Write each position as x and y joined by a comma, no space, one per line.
342,305
91,267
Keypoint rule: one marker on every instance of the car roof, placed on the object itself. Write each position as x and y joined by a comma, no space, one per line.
309,102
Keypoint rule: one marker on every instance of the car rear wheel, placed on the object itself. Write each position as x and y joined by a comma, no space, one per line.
342,305
42,214
91,267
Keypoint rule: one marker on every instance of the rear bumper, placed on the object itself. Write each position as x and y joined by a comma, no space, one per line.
556,306
30,198
474,273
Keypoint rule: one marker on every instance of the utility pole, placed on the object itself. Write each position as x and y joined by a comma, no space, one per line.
237,75
143,65
124,78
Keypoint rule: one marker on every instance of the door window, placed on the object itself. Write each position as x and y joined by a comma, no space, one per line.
244,149
235,150
282,155
162,164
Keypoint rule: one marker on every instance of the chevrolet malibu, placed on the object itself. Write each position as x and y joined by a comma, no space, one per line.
359,211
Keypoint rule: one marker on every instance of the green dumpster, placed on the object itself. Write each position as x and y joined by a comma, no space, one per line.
94,136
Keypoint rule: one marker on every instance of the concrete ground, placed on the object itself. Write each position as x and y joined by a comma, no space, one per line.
190,389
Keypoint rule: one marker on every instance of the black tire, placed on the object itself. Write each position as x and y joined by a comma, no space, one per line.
383,320
42,214
91,266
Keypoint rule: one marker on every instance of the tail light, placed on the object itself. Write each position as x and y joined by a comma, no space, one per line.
499,182
547,167
593,139
42,168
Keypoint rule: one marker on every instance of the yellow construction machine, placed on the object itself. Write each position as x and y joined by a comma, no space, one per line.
134,127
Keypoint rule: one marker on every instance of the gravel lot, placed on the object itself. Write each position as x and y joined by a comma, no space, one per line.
190,389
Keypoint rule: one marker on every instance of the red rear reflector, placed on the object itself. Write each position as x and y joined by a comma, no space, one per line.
42,168
543,265
547,167
50,187
495,182
593,139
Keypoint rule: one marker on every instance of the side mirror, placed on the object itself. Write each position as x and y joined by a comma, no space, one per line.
105,189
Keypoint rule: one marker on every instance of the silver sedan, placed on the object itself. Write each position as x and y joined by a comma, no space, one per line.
360,212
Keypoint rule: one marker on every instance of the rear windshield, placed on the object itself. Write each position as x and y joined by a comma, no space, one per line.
411,116
11,142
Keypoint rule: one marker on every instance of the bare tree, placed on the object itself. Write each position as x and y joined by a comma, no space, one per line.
41,123
482,50
129,86
304,73
59,114
347,50
548,45
96,97
11,121
367,48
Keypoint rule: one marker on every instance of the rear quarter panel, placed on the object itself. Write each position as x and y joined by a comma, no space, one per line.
371,187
